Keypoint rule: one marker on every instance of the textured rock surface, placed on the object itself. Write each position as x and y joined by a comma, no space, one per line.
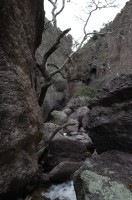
109,120
79,113
65,149
63,171
21,25
105,177
59,117
108,55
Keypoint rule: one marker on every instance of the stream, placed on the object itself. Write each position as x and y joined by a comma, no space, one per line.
64,191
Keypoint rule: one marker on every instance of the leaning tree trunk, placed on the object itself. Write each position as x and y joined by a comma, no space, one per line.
21,26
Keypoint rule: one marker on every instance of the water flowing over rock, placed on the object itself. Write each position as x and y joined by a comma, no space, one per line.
21,25
64,191
110,116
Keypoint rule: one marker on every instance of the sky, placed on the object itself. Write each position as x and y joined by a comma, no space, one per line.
76,9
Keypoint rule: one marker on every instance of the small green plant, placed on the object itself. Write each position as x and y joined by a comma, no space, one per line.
86,91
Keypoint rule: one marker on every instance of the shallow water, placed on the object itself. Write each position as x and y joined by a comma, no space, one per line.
64,191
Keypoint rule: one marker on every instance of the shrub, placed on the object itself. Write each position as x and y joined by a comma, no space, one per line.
86,91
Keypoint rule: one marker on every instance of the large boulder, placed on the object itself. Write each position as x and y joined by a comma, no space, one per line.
66,149
109,120
64,171
21,25
107,176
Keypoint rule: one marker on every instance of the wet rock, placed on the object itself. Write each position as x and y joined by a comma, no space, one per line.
21,26
108,176
109,120
63,171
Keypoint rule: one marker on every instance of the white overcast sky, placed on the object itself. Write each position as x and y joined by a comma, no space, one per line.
69,17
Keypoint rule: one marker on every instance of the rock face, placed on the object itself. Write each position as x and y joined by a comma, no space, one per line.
105,56
21,25
110,116
107,176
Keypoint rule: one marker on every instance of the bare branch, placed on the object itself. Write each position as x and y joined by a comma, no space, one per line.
63,65
51,64
44,89
57,130
92,7
47,77
55,46
54,12
43,152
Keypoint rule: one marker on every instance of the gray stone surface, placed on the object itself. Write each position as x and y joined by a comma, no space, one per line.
58,117
21,25
105,177
64,171
109,120
66,149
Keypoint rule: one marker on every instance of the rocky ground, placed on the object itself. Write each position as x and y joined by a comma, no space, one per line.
87,138
104,142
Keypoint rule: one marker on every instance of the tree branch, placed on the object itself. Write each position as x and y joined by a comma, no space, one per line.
55,45
42,95
63,65
47,77
54,12
93,6
51,64
57,130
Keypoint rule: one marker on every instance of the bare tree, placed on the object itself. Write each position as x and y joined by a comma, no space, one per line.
92,7
43,67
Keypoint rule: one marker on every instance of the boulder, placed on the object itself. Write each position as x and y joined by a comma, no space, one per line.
59,117
21,26
107,176
72,128
53,100
63,171
77,102
48,129
83,137
67,111
66,149
109,120
79,114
